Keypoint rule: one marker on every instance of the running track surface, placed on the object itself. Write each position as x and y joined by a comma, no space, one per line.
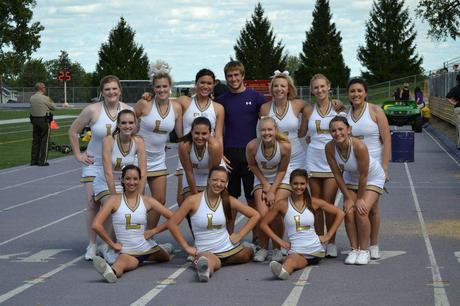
43,238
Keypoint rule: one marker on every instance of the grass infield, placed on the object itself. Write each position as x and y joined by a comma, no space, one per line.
16,138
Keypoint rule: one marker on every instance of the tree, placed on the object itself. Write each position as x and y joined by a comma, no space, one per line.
321,51
121,56
32,72
18,39
292,64
443,17
390,51
256,48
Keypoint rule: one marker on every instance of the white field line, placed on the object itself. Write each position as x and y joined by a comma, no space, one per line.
442,148
440,296
296,292
6,296
27,167
40,198
149,296
38,179
29,130
41,227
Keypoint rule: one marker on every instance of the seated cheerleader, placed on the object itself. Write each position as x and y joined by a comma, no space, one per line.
298,212
209,213
129,216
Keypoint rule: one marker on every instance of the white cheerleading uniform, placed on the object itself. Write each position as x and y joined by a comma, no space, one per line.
194,111
367,130
318,129
155,129
268,165
210,230
104,126
200,165
129,226
349,165
288,123
120,159
300,229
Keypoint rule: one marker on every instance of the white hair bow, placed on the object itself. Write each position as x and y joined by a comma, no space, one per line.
277,72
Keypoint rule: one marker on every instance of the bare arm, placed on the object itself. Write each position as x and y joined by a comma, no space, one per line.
107,147
142,162
178,125
83,120
151,203
332,210
306,114
285,148
279,208
106,210
184,157
216,152
220,117
251,149
252,215
384,130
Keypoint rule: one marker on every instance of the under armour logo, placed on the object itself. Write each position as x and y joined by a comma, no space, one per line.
248,103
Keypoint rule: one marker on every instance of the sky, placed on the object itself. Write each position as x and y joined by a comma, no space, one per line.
193,34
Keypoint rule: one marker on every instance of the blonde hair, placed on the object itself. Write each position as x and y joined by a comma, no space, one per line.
319,76
292,90
161,75
279,136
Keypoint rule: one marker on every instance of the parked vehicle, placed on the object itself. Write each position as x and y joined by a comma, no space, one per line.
401,113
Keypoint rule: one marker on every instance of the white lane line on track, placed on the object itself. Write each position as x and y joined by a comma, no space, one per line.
38,179
440,296
41,227
442,148
149,296
40,198
296,292
25,167
6,296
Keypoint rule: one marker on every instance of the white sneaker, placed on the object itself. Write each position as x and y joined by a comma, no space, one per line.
90,251
168,247
277,255
249,245
351,258
102,267
363,257
190,258
278,270
260,255
331,250
202,267
374,250
108,253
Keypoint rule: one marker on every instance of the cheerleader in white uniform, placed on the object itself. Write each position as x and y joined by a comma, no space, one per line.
298,212
268,158
101,118
158,118
361,180
199,151
129,215
315,122
121,148
369,123
200,105
210,212
286,111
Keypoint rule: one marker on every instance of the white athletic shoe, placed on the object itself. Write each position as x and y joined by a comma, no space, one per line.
260,255
363,257
108,253
351,258
90,251
277,255
202,267
102,267
375,252
331,250
249,245
278,270
168,247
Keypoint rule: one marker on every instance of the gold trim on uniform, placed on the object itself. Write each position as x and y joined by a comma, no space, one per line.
159,109
359,115
113,118
138,201
368,187
157,173
223,255
280,117
187,189
200,158
148,252
209,204
87,179
345,158
120,146
199,107
320,174
329,107
275,148
98,197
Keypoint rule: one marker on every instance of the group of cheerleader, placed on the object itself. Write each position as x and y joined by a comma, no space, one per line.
301,156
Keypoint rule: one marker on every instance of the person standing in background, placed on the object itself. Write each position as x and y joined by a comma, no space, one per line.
40,117
453,97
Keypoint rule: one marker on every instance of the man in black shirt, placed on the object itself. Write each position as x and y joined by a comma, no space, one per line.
453,96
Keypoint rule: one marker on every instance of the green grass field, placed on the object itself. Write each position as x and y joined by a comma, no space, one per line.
16,138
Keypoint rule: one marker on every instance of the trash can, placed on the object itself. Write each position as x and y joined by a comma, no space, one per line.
402,146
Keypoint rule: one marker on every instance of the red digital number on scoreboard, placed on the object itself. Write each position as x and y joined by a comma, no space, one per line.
64,75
